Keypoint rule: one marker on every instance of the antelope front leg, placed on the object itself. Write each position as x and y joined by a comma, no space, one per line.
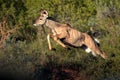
59,42
56,39
49,44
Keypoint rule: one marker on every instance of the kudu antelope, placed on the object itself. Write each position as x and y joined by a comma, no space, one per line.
64,33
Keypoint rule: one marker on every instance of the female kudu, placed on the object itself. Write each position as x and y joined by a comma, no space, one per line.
64,33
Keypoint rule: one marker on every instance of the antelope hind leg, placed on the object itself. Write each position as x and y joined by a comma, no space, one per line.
93,47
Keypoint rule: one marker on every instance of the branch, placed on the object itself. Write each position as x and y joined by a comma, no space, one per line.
5,34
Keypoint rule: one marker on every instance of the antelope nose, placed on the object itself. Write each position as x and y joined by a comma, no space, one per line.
34,24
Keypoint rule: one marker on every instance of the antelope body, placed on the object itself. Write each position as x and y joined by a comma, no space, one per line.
64,33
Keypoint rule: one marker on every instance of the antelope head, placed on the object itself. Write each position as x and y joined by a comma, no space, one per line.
42,18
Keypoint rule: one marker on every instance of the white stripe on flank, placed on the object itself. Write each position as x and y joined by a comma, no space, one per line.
96,40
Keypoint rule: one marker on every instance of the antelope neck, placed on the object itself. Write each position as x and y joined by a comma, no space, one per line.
51,24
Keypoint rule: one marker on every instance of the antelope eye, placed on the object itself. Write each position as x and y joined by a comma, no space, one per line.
40,19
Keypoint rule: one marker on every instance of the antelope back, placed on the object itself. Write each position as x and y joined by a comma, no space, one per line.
42,18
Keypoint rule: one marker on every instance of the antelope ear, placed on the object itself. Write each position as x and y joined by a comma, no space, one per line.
44,13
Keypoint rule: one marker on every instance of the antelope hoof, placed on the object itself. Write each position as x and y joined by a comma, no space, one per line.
68,48
65,46
52,49
104,56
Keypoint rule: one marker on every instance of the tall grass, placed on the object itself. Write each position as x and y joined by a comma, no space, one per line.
23,59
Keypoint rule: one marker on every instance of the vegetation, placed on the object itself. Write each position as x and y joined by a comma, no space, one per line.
25,53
